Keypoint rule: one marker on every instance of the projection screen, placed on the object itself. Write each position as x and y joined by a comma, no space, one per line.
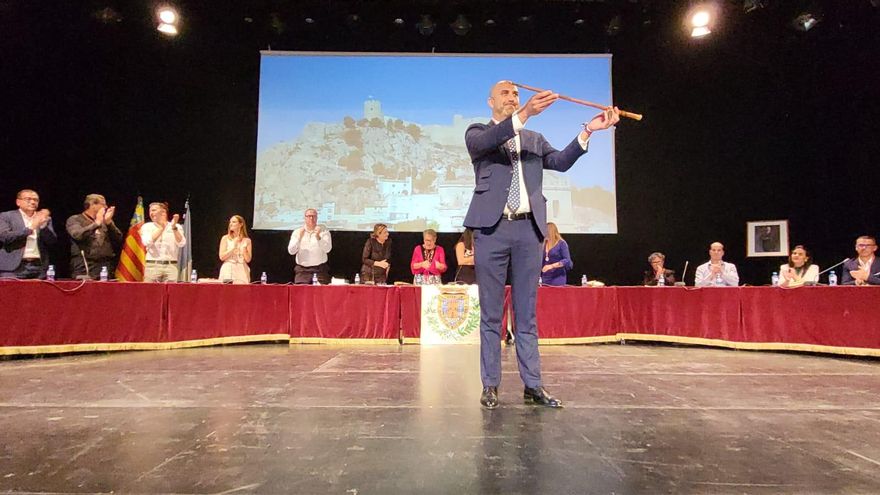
369,138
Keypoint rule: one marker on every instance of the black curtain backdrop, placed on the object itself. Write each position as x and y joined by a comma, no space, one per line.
757,122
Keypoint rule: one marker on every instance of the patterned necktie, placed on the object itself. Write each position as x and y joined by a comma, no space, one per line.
513,193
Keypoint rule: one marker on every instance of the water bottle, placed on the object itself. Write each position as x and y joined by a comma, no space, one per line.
583,280
661,281
264,279
719,282
193,276
315,279
832,278
357,279
774,279
104,274
50,273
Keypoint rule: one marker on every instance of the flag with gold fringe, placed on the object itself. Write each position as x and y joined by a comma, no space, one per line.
131,260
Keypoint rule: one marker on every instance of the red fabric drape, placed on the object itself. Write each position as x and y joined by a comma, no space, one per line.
572,312
834,316
410,311
710,313
205,311
344,312
41,313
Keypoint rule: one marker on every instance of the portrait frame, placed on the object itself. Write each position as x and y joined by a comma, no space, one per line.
766,238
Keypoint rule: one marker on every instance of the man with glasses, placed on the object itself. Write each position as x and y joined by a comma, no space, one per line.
862,270
25,237
310,244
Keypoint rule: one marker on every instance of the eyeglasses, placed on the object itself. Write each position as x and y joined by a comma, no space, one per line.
311,216
863,246
30,198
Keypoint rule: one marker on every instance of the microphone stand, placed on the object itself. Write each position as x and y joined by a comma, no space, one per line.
833,267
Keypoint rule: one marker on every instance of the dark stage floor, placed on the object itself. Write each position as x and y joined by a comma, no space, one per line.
388,419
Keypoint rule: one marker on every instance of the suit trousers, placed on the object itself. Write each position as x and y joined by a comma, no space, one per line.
515,244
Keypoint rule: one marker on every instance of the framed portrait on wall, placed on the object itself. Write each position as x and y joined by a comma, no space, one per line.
765,238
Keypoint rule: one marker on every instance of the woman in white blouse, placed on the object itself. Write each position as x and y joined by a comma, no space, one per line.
799,270
235,252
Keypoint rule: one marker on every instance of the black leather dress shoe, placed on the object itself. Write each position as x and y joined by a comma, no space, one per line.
541,397
489,397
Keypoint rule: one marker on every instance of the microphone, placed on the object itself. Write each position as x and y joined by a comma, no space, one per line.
86,263
833,267
683,273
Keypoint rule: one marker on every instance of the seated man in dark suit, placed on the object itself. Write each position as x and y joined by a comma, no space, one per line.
25,237
862,270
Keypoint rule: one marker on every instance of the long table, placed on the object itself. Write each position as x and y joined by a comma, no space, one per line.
66,316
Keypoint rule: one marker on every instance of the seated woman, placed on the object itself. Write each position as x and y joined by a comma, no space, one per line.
377,252
464,256
557,260
799,270
657,270
428,259
235,252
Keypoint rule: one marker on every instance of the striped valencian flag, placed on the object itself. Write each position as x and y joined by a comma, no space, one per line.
131,260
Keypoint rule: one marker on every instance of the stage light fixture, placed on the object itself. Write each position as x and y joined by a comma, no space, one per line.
167,29
398,21
752,5
425,25
699,20
805,21
490,22
461,26
167,15
309,20
614,25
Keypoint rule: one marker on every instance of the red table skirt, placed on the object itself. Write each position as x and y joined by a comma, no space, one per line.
60,314
344,312
52,317
212,311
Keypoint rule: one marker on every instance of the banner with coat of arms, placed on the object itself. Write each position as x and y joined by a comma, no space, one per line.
450,314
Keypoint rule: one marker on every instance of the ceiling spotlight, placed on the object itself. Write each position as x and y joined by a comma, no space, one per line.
614,25
309,20
699,32
276,23
425,25
752,5
700,19
107,15
398,21
167,15
525,18
353,20
167,29
461,26
490,22
805,21
578,22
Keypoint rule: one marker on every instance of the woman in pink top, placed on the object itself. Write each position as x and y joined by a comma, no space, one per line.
428,258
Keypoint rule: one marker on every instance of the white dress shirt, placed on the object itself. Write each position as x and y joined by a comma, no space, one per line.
729,276
524,205
166,247
31,247
310,251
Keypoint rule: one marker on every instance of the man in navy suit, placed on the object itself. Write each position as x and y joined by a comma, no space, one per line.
25,237
508,213
862,270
